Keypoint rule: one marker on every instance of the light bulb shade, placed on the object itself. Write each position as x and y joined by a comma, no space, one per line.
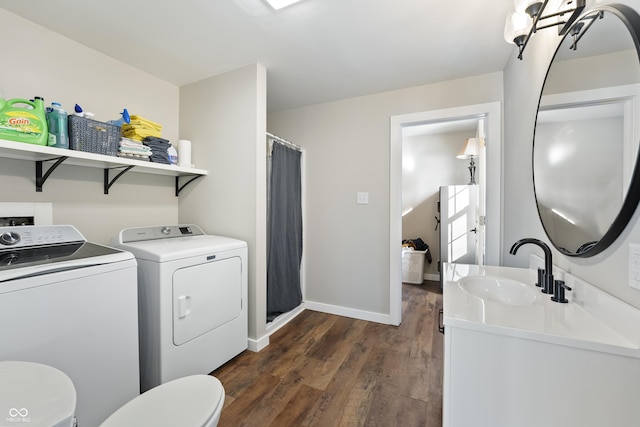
526,6
517,26
469,149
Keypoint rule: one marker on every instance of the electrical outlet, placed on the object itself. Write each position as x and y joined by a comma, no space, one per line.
634,265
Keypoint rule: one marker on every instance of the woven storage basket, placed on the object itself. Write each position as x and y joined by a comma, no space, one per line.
93,136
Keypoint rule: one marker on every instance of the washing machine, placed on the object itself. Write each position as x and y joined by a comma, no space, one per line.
192,301
72,305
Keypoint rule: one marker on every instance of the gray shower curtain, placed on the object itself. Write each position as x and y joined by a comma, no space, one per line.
284,231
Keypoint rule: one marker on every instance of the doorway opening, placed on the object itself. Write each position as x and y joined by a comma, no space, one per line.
440,205
491,163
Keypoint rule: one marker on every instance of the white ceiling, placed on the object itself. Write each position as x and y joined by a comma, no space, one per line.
314,51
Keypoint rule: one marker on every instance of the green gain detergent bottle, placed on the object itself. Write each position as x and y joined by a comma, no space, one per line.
23,121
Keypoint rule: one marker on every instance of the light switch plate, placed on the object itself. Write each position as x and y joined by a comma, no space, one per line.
362,198
634,265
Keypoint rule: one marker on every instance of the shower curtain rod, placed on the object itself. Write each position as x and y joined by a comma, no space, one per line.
284,141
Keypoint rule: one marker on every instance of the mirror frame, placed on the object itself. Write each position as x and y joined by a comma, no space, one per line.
630,18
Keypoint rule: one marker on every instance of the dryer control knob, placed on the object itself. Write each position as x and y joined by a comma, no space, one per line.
165,230
9,238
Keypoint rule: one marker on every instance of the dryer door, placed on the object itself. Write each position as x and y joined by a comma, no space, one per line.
205,296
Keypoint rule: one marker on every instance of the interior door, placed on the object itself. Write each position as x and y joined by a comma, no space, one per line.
459,222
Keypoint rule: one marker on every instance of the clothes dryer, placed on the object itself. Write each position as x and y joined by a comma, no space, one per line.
192,300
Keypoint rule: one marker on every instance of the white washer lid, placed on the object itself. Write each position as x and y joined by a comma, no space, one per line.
35,395
191,401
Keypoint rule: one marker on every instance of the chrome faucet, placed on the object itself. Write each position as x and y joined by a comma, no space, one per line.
547,285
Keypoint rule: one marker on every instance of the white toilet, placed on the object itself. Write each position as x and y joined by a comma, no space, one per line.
32,394
42,396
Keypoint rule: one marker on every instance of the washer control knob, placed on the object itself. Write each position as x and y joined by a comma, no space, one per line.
165,230
9,238
9,259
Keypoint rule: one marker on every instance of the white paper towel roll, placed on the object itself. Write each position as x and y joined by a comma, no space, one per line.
184,153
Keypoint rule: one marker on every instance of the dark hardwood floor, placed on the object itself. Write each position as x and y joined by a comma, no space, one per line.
326,370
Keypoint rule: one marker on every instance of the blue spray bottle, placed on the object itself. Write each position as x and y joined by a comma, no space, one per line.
122,120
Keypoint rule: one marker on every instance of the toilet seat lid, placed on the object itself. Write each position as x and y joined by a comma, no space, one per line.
191,401
35,394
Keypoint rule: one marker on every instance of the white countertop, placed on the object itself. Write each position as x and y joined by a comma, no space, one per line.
590,320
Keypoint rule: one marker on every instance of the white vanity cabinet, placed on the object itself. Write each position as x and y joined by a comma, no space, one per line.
544,364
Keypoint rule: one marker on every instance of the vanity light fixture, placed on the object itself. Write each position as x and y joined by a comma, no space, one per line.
279,4
529,17
581,27
470,151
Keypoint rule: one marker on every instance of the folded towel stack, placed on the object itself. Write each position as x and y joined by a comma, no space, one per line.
133,149
139,128
158,148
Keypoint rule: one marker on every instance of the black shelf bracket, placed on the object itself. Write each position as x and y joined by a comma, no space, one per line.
179,187
107,183
42,178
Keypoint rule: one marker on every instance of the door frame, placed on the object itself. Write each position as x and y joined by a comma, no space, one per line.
493,238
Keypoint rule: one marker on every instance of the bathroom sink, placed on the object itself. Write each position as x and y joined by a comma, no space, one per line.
499,289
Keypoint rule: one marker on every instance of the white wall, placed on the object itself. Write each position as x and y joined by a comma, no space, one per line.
43,63
523,81
225,119
347,151
224,116
428,162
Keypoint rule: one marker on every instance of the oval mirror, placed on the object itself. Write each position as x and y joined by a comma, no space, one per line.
586,136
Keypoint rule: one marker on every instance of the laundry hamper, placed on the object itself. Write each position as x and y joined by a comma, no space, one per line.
413,266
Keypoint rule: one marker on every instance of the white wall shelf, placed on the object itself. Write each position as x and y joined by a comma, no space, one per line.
41,154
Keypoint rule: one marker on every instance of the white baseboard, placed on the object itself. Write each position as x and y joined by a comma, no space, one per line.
431,276
272,327
259,344
349,312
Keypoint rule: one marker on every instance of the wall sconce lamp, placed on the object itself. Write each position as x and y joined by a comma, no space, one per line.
529,17
470,151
